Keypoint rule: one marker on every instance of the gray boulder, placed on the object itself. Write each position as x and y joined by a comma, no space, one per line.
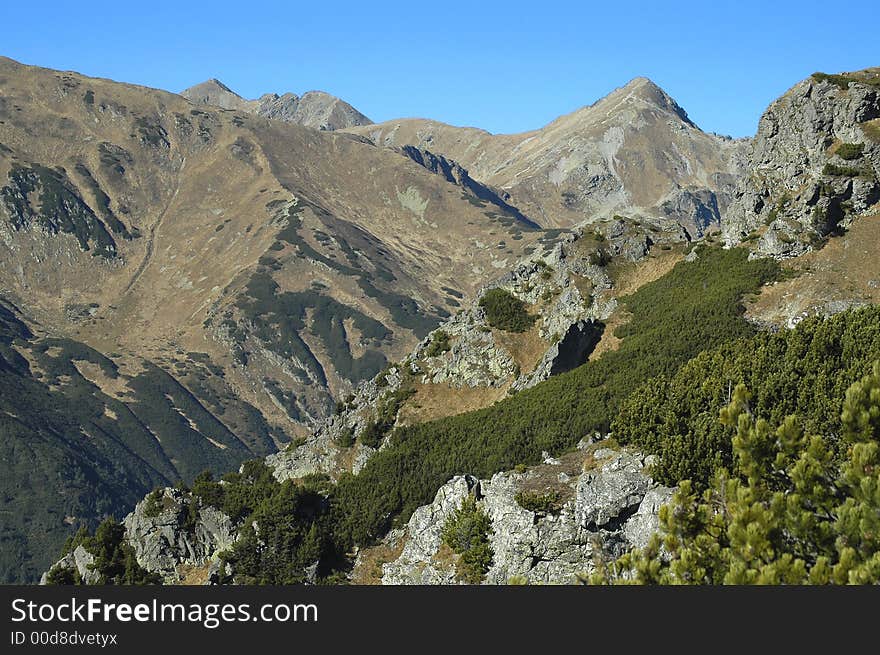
78,561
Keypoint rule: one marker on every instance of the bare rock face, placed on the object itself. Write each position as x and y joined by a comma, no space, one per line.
169,530
424,540
324,449
813,165
173,530
603,513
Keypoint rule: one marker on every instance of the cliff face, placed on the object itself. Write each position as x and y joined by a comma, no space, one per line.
813,165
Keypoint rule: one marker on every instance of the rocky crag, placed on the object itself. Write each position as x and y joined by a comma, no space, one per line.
812,167
172,535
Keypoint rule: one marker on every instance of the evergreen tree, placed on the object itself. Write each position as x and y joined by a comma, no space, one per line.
467,532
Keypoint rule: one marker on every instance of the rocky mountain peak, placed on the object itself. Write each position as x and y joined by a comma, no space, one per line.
641,90
214,82
214,92
315,109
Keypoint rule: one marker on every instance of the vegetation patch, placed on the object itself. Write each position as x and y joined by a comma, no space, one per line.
549,502
872,130
387,410
795,508
115,561
151,133
805,371
279,317
403,309
843,81
505,311
103,202
283,534
836,170
850,151
467,533
61,209
439,344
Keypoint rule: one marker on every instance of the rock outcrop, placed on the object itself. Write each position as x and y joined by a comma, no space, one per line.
813,165
606,505
79,561
173,530
325,450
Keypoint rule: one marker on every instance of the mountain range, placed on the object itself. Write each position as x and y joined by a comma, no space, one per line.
191,281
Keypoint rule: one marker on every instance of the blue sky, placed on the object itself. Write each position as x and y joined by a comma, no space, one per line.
502,66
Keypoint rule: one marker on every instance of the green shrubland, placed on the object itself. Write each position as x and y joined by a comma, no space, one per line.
804,371
796,507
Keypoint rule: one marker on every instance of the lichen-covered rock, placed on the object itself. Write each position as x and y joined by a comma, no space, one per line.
418,564
564,354
474,359
603,513
542,548
323,450
605,499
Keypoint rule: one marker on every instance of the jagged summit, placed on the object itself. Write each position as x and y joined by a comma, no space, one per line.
316,109
217,83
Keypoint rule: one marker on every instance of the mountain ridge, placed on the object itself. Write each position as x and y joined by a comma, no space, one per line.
594,496
158,251
633,151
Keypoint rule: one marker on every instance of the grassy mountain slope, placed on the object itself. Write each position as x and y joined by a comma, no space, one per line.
228,275
83,436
